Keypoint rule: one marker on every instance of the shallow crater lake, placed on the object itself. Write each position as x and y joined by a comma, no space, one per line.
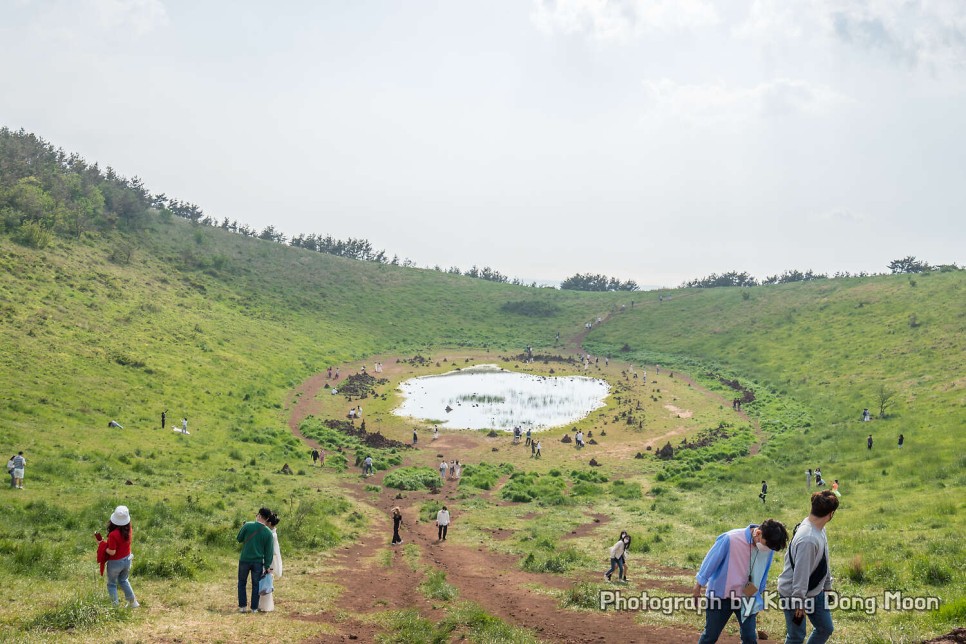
488,397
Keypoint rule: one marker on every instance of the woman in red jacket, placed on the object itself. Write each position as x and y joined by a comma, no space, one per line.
117,554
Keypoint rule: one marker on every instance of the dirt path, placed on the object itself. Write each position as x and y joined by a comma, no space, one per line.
492,580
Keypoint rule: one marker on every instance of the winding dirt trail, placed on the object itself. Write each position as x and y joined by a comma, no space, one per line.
491,579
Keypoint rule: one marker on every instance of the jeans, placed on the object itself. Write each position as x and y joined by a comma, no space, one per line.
442,532
614,565
715,620
118,572
821,619
255,569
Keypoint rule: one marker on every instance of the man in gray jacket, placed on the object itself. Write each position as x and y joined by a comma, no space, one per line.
807,576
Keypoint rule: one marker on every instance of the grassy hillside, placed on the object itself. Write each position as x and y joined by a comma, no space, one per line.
816,354
218,328
222,328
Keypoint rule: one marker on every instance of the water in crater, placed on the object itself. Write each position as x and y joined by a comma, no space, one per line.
488,397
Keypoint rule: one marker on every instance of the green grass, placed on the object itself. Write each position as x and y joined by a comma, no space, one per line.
220,328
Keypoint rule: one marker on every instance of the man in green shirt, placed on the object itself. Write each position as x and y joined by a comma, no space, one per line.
258,548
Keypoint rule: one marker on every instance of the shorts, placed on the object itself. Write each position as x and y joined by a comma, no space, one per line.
18,474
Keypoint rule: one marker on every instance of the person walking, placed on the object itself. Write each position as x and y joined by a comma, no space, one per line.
735,572
19,465
115,554
533,449
164,418
539,445
315,456
396,522
902,439
10,467
808,479
443,467
266,587
617,556
367,466
442,523
869,441
257,552
764,492
806,578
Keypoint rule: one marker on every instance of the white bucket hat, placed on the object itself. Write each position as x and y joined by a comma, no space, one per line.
121,516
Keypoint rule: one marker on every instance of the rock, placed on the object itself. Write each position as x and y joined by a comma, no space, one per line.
666,452
128,482
762,635
649,448
566,439
591,442
594,463
495,449
492,434
640,455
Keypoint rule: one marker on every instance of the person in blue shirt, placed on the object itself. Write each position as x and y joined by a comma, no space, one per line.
734,573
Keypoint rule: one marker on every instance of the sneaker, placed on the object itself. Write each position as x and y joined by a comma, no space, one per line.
134,604
607,576
243,609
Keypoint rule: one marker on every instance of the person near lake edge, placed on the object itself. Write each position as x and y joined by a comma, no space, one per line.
256,556
415,437
734,573
114,553
266,601
396,522
442,523
807,578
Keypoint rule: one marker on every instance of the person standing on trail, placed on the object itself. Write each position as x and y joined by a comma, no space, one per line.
367,466
396,522
807,578
764,492
258,549
734,573
443,467
321,458
617,557
442,523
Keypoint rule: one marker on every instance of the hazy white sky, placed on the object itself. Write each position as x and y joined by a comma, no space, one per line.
655,140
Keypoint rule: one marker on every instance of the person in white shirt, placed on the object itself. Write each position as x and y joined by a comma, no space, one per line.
442,523
266,602
443,467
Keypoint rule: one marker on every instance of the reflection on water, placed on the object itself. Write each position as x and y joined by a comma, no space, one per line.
486,397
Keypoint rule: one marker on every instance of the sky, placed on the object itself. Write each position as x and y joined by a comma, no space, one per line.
653,140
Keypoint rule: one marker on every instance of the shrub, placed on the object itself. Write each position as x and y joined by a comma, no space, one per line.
33,234
78,613
582,595
435,586
557,562
626,491
412,478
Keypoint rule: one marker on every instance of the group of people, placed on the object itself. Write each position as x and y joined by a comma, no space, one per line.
355,412
735,570
15,468
318,457
260,560
443,520
579,439
454,469
164,420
